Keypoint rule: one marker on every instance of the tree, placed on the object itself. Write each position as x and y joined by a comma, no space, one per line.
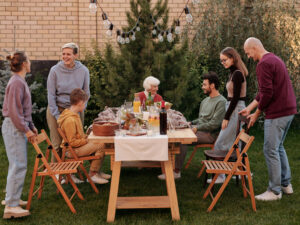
117,75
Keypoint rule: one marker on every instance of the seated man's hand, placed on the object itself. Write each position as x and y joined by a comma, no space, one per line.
194,129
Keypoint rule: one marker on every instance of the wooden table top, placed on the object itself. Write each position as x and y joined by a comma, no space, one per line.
183,136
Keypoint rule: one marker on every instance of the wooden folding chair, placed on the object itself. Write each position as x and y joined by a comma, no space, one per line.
196,147
43,168
240,167
68,148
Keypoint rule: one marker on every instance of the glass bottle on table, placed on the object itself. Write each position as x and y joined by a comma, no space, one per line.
163,120
136,103
150,100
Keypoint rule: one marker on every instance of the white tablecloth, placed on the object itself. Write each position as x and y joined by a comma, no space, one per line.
141,148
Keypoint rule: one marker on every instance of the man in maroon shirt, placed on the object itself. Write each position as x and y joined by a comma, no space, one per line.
277,100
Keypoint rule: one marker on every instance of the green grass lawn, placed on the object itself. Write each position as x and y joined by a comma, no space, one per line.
232,208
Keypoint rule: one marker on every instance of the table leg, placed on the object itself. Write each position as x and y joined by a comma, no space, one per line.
113,195
171,189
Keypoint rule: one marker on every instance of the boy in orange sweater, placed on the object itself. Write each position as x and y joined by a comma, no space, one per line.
70,123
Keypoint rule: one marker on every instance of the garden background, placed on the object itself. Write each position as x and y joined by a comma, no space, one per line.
117,71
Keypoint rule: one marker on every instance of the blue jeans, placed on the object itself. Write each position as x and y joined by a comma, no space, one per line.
15,143
275,131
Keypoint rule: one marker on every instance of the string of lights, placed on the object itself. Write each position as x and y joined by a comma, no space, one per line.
124,37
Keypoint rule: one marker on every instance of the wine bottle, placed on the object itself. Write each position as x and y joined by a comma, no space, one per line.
163,119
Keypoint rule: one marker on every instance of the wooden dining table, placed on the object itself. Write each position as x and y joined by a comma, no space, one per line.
175,138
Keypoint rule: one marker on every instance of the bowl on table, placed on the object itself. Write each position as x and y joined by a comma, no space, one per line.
105,128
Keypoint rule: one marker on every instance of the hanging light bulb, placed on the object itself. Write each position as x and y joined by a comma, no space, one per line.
154,31
137,27
109,31
177,28
169,36
119,36
161,36
106,22
123,39
133,36
93,6
189,17
195,2
127,40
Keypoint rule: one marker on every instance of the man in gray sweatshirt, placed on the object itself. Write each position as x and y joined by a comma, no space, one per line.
63,78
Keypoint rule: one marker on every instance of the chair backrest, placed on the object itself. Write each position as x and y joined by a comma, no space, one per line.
66,145
37,144
246,143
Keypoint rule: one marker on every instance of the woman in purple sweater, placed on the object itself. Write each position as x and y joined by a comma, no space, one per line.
17,128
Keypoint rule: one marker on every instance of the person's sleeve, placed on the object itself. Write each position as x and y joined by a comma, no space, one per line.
216,120
51,88
69,128
86,85
237,80
15,106
265,81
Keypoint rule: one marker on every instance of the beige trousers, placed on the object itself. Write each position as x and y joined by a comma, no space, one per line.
89,149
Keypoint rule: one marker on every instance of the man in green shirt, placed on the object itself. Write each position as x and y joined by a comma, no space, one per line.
207,126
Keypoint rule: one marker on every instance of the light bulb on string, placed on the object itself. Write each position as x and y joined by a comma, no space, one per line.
123,39
161,36
189,17
169,36
109,31
154,31
127,40
93,6
138,27
177,28
119,36
132,36
106,22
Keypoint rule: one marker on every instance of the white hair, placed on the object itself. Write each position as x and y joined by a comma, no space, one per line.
72,46
150,81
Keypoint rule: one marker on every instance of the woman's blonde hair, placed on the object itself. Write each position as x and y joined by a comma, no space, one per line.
150,81
237,61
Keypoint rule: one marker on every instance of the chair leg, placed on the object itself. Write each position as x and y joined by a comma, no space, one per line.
63,193
210,186
217,196
191,157
244,186
75,187
34,174
201,171
89,179
251,191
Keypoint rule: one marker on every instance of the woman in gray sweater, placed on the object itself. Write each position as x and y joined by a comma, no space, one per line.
63,78
17,128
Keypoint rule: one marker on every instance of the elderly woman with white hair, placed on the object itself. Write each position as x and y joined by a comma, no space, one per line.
151,86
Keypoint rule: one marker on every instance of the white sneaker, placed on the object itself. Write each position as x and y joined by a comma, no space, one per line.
14,212
104,175
287,190
62,181
268,196
76,180
163,176
220,179
21,202
98,179
234,177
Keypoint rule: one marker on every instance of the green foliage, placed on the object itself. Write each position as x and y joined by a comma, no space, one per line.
117,74
222,23
4,78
